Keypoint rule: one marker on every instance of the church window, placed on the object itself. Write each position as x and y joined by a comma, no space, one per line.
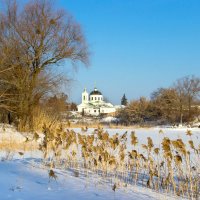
84,98
94,110
98,98
95,98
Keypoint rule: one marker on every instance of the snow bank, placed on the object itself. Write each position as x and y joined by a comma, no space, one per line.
109,119
20,180
8,134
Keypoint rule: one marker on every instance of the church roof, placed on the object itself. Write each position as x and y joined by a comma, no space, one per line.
95,92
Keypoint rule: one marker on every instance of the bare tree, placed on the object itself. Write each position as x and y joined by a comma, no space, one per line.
188,89
32,40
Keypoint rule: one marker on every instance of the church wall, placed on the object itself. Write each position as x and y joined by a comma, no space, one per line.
96,111
107,110
94,98
80,108
91,111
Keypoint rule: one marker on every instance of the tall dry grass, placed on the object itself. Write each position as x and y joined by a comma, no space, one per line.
172,166
45,117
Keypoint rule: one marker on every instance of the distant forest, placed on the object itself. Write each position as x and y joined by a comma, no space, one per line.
177,104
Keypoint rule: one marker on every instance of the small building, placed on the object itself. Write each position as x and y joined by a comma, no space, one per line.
94,104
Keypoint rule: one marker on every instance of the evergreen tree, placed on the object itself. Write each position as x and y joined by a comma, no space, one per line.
124,101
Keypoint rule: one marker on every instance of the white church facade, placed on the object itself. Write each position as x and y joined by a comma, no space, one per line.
94,104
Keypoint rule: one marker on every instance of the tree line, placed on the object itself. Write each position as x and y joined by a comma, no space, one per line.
35,39
179,103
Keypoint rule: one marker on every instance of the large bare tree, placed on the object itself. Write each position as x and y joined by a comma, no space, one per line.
34,39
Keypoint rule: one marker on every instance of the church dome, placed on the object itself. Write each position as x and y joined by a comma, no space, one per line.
95,92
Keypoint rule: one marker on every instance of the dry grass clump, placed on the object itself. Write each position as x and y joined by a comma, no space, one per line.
172,166
169,167
52,175
134,140
14,144
42,116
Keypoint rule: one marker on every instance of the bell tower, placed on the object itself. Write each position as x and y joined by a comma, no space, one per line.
85,96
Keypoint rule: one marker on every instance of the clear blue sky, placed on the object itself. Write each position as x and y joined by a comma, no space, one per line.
136,45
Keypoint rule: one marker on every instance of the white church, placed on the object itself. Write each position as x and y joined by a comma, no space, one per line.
94,104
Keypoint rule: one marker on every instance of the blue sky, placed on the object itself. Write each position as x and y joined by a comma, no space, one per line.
136,46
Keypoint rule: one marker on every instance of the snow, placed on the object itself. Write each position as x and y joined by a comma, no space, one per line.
143,133
109,119
25,177
21,180
8,133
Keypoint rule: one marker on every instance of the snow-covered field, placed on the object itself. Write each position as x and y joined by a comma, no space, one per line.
154,133
9,133
23,177
20,180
